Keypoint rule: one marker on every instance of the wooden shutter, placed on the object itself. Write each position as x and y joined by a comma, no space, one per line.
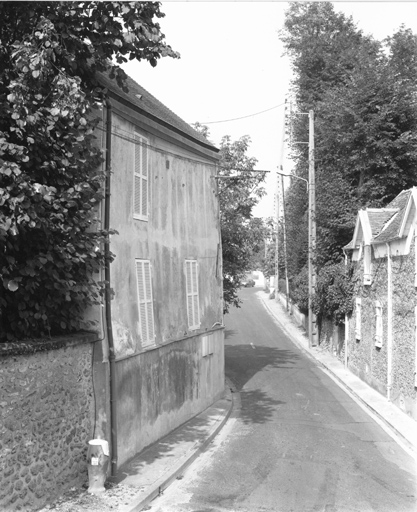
140,185
145,302
193,306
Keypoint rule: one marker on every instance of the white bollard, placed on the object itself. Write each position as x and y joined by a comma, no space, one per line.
98,461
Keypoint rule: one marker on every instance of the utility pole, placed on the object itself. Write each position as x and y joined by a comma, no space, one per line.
312,320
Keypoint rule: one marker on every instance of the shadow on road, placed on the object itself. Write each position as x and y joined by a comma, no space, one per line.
257,406
244,361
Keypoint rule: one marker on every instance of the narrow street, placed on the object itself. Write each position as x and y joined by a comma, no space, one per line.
298,442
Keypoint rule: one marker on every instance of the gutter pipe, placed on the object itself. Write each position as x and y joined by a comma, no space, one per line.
112,359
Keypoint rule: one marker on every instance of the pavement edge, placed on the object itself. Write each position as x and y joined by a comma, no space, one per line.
180,467
294,332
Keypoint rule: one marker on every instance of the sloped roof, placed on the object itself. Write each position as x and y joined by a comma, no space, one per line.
378,218
391,230
154,109
384,223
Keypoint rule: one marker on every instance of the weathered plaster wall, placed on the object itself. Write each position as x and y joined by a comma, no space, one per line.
404,301
183,224
364,359
163,385
46,419
160,389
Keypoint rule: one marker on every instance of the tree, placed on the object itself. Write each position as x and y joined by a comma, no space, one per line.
364,98
51,55
241,233
239,191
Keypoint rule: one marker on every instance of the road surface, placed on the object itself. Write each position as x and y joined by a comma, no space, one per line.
298,443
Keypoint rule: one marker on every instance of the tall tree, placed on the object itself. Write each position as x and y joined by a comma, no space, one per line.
239,189
364,98
241,234
50,55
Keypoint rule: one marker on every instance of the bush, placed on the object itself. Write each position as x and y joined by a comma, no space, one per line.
333,298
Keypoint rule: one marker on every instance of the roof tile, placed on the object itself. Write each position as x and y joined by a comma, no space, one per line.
141,98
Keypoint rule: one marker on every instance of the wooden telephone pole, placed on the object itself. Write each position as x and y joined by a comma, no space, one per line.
312,320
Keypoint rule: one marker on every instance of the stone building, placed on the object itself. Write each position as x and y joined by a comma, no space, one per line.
381,340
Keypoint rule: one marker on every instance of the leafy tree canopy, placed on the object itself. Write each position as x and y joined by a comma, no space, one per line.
365,102
239,190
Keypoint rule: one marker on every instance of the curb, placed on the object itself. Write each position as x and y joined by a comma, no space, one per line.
184,462
342,384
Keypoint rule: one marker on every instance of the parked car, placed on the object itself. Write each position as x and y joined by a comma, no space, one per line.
247,283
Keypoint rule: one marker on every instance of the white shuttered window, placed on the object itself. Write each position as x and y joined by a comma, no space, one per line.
193,306
378,324
145,302
141,175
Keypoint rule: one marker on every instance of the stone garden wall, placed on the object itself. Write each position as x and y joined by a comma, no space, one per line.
46,419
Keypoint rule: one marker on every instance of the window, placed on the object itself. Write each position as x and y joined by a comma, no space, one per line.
358,319
140,184
193,307
145,302
207,345
378,324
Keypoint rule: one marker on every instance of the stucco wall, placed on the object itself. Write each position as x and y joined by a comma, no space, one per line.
160,389
163,384
47,414
183,224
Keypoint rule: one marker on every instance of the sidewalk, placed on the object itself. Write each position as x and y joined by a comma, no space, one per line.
155,468
395,422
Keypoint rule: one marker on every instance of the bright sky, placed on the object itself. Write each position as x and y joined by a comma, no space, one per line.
232,66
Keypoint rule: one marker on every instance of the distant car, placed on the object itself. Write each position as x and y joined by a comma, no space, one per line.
247,283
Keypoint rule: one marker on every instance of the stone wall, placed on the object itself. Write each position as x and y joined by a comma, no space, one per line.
46,419
404,393
365,359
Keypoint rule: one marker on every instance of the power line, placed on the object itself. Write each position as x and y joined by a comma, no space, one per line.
243,117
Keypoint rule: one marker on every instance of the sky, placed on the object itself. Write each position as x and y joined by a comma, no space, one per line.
233,66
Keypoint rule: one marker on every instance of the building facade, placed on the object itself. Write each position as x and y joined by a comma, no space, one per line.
163,332
381,342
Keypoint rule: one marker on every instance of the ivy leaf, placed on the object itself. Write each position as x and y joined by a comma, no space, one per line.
12,286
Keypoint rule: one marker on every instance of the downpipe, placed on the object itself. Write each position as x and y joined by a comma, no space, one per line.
109,328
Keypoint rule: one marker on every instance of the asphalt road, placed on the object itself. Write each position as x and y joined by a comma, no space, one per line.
298,442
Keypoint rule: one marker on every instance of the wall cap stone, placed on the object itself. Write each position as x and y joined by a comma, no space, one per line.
45,344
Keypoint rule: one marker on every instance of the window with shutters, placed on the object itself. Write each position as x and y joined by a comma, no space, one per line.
358,319
145,302
140,177
193,306
367,265
378,324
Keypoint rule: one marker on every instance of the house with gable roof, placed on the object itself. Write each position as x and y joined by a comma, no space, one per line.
162,328
381,340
